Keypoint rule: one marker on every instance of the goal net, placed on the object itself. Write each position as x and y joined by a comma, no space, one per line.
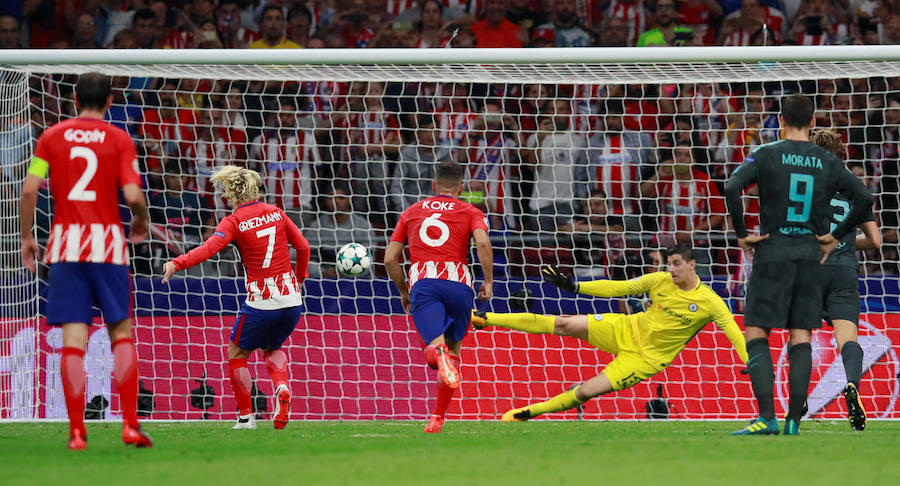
578,158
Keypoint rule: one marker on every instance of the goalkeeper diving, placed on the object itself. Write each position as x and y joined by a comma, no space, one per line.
644,343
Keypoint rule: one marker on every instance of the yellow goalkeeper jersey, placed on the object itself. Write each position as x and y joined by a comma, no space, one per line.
674,317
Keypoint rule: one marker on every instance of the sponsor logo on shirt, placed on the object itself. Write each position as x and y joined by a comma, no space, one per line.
219,234
84,136
258,221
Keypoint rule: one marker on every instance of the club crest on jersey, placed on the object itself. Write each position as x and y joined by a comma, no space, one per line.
84,136
693,307
598,317
258,221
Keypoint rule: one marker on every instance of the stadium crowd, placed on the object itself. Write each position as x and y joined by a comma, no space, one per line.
585,175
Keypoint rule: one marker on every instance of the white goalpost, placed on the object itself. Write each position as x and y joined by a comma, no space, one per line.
590,159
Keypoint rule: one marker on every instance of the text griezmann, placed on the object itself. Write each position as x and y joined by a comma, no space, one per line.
258,221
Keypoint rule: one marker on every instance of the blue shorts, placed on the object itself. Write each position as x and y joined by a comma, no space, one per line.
76,287
441,307
264,329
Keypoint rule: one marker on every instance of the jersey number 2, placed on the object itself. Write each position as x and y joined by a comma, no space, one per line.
803,198
270,247
78,192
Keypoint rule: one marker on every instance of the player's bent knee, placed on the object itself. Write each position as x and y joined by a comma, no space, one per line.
235,352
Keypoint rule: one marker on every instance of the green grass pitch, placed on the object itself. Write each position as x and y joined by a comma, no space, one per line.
494,453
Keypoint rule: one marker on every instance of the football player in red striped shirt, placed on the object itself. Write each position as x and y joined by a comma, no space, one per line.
274,302
438,230
88,160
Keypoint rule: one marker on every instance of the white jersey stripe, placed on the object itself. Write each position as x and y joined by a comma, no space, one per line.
119,248
98,243
253,291
55,243
271,287
73,243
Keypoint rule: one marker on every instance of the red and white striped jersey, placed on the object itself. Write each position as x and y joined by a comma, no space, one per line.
177,39
261,233
288,162
438,231
172,133
325,97
226,148
634,13
363,128
684,205
396,7
241,39
88,161
490,161
453,126
617,175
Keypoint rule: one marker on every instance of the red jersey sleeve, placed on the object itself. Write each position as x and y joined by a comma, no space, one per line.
477,221
127,161
222,236
400,230
299,242
40,149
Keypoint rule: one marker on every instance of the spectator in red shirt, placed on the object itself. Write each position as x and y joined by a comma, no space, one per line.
233,33
430,25
688,201
165,130
703,16
494,30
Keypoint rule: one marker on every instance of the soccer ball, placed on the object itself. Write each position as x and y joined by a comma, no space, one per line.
353,260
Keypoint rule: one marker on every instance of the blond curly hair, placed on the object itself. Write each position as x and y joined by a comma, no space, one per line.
828,140
239,185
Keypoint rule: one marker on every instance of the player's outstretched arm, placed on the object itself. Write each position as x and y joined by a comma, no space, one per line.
600,288
724,320
395,271
220,238
27,205
486,259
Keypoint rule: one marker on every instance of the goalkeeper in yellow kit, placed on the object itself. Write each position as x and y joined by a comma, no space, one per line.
644,343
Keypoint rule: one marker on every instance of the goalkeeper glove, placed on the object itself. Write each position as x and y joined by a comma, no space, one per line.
553,275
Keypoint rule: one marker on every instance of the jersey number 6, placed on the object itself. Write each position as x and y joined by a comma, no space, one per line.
433,222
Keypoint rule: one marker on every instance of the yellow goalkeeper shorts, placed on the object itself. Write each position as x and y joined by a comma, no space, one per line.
612,333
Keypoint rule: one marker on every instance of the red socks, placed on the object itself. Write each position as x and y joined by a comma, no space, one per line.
431,354
444,392
71,368
241,384
126,374
277,364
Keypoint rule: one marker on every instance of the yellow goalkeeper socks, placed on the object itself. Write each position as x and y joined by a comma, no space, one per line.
523,321
563,401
